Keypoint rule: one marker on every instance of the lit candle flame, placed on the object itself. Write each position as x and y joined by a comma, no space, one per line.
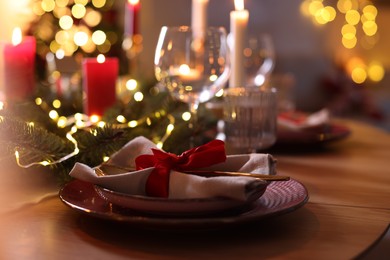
133,2
239,5
16,36
101,58
184,69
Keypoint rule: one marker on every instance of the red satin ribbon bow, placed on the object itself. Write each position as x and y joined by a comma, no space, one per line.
157,184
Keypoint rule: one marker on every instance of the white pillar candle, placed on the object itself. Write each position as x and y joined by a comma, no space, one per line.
199,17
238,29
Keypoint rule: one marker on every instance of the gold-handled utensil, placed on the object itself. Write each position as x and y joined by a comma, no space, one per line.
100,171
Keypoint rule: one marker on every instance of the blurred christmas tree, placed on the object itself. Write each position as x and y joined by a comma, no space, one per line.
76,28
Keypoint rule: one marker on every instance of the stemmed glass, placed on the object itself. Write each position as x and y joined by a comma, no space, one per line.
259,60
193,66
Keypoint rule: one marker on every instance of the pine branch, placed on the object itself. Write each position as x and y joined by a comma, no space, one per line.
98,143
33,143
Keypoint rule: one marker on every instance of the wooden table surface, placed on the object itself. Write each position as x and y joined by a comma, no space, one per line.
348,210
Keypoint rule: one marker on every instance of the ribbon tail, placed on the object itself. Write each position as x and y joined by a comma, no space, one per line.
157,184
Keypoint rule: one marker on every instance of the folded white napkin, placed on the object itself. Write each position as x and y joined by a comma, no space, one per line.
182,185
311,121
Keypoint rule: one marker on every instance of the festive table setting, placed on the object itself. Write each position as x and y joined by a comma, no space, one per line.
203,161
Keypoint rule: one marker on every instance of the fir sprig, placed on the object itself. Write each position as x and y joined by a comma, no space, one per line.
98,143
32,142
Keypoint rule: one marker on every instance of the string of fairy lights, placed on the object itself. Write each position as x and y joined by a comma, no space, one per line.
84,122
359,26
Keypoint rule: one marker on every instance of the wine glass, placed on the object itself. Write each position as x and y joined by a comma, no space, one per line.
193,66
259,60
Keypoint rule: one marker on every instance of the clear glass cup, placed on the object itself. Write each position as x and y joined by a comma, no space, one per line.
250,119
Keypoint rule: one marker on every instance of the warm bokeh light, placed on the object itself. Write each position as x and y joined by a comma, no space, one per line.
131,84
348,29
81,2
53,114
62,121
38,101
62,3
315,7
76,20
349,42
98,3
78,11
48,5
101,124
99,37
186,116
359,75
376,71
356,13
331,13
121,119
138,96
37,8
370,12
352,17
56,103
66,22
80,38
353,63
170,128
304,8
62,37
133,123
213,78
344,6
92,18
370,28
325,15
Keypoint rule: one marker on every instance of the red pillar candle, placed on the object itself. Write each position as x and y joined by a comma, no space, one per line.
19,67
132,10
99,83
